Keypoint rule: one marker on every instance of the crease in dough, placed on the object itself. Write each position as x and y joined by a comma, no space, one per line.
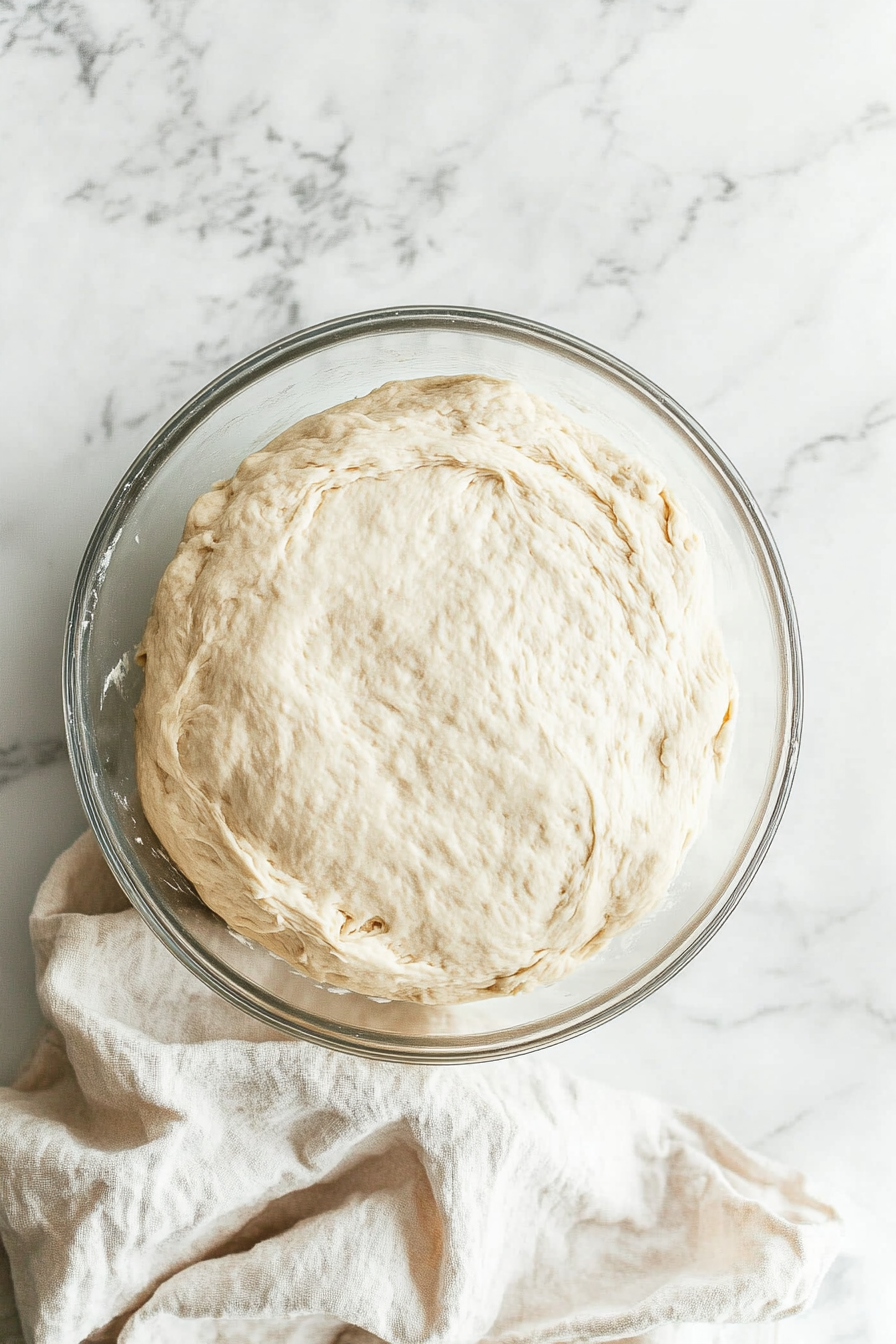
434,696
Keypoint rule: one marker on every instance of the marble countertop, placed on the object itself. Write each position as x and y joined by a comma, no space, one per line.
705,190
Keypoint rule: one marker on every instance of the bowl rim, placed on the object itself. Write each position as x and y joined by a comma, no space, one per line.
124,862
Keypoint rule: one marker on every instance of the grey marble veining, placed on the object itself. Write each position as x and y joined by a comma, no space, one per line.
20,758
705,190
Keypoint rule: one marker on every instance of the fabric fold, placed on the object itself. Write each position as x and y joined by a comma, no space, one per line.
171,1170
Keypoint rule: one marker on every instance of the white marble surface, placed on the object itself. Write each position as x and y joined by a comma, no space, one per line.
706,190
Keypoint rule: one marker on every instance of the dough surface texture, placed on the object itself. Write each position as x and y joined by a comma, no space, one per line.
435,698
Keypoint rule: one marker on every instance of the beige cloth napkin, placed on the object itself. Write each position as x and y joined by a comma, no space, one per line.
171,1171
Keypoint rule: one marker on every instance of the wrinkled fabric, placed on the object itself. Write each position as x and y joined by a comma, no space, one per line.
171,1170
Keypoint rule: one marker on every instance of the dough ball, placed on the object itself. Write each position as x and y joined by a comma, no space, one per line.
434,695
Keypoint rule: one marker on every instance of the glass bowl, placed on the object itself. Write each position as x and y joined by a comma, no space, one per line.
240,412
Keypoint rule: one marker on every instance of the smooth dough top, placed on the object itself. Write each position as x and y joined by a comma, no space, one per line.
434,695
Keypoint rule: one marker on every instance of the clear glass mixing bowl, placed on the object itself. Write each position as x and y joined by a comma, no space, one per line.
239,413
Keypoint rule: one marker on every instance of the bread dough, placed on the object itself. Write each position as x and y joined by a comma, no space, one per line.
434,694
